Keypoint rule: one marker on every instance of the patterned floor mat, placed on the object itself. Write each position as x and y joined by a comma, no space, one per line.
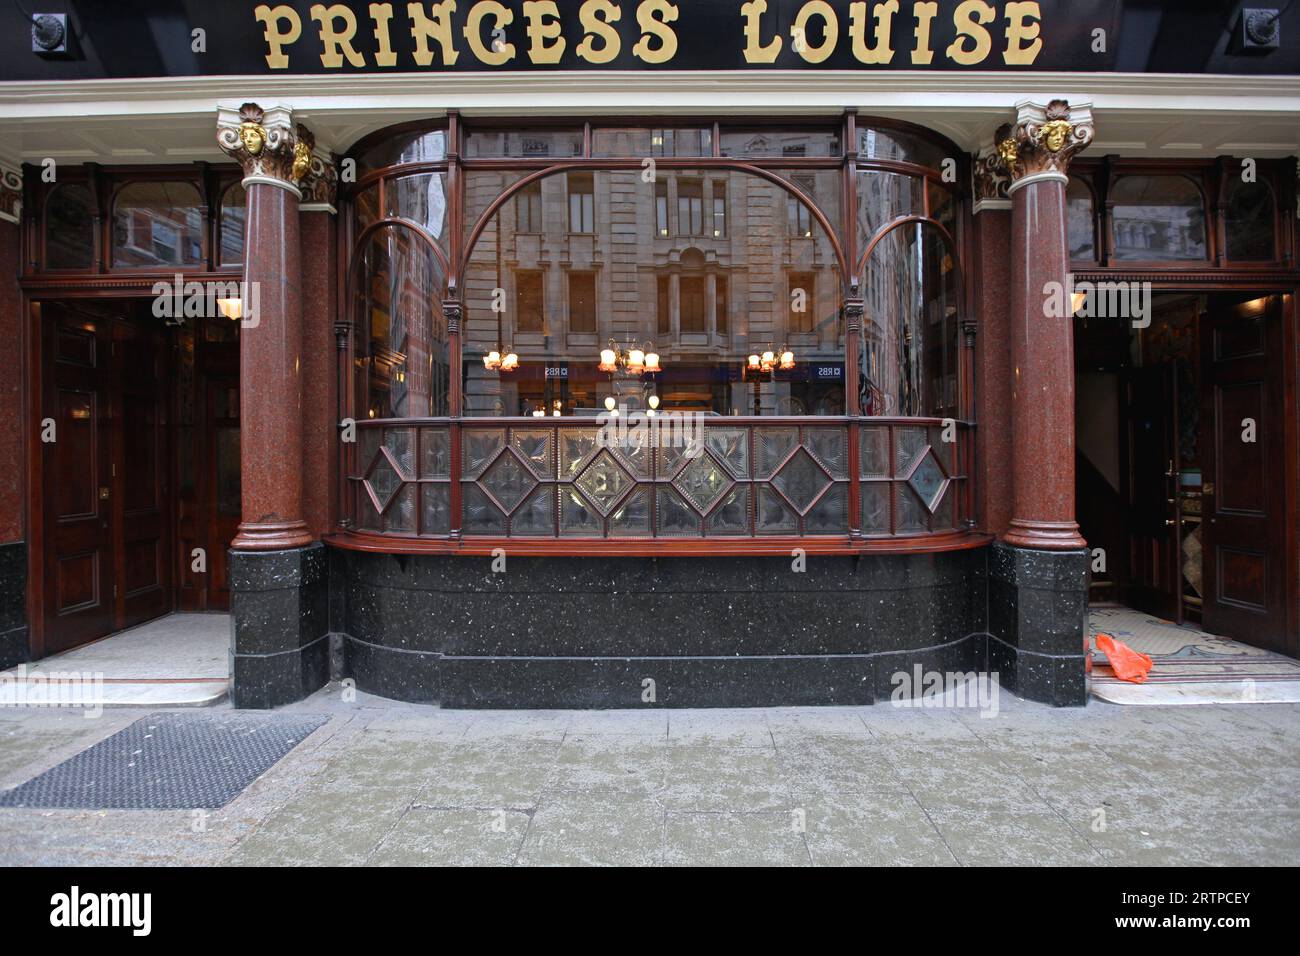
168,761
1189,666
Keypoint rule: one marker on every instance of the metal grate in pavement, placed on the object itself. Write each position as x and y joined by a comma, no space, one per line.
168,761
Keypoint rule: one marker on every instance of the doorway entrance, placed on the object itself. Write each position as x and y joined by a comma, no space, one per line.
1180,472
138,429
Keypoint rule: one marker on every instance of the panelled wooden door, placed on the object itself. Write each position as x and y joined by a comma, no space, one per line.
106,507
1244,493
1150,403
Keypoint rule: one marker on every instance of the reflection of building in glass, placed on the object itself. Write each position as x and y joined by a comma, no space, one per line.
709,265
1159,232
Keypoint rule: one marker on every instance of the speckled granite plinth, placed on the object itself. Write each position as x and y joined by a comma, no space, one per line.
14,646
667,632
1038,612
279,621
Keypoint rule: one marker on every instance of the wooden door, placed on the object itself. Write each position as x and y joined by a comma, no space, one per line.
1244,497
76,453
105,513
224,503
1150,404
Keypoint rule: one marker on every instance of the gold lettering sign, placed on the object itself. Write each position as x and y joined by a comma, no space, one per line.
499,33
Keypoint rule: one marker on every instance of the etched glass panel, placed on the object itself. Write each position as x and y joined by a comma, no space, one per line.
771,446
534,447
773,515
508,481
634,451
801,481
911,442
830,447
911,513
577,515
400,516
400,445
436,502
435,453
604,482
731,445
633,515
383,481
875,507
943,513
944,450
703,482
830,515
537,514
675,515
928,481
480,446
732,516
481,515
576,445
873,456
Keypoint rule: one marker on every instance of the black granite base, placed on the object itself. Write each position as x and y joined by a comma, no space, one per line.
14,645
647,632
1038,613
279,612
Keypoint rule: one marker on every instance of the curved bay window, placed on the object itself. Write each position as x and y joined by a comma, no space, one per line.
652,339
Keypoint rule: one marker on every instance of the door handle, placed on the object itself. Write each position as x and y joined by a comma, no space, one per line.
103,494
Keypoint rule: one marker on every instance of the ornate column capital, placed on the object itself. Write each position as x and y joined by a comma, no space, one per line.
265,143
989,181
1042,141
11,193
320,183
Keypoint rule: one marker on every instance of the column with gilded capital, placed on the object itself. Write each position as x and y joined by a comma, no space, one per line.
1038,571
14,646
278,582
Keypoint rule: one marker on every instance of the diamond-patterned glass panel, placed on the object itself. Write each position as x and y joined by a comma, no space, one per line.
368,440
672,457
534,447
436,503
944,450
875,506
731,446
633,515
577,516
943,514
479,447
703,482
911,513
400,516
435,453
928,482
732,516
368,519
911,442
481,515
773,515
633,450
675,515
830,515
537,514
873,455
830,447
604,482
576,446
508,481
400,444
383,480
801,480
771,446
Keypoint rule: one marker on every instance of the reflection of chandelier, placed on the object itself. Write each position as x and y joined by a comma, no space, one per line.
495,360
782,359
637,361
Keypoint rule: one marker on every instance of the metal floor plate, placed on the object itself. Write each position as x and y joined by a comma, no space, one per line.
168,761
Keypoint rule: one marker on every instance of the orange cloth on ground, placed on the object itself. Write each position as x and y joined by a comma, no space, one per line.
1128,664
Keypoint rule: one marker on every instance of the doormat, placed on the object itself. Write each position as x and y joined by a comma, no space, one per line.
1188,666
168,762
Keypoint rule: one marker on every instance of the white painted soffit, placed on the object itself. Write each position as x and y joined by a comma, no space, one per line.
173,119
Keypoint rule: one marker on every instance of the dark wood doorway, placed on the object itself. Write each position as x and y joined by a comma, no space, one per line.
1242,446
140,493
106,507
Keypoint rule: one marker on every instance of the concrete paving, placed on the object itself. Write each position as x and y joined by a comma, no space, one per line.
388,784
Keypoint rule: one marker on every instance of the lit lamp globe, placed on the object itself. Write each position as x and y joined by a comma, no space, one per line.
636,361
787,359
653,401
510,362
753,361
652,362
607,360
232,309
492,360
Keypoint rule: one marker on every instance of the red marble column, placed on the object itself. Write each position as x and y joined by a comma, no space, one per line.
13,461
1041,338
271,334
